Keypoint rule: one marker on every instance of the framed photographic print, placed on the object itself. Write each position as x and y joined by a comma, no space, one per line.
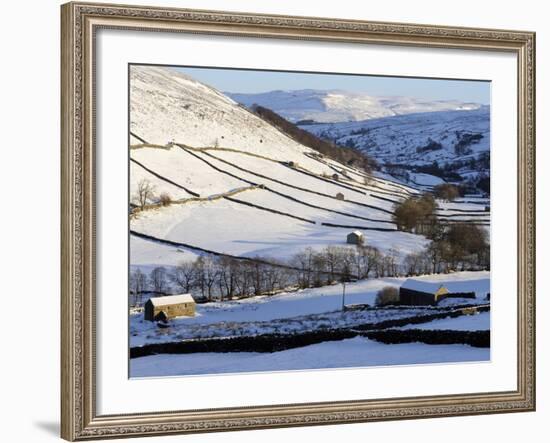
282,221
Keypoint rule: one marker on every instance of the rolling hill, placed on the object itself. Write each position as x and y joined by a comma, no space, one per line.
396,131
241,187
416,139
343,106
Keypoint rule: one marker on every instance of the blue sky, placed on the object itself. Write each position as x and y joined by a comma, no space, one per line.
250,81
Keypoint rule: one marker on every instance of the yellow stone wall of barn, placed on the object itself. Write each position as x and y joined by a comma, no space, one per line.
171,311
441,291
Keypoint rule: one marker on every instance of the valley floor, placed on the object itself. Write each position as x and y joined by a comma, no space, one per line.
354,352
310,310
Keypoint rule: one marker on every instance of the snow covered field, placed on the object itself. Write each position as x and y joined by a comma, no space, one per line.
478,322
196,115
237,185
255,313
355,352
309,310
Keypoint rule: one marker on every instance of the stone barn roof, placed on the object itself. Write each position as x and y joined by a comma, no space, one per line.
422,286
172,300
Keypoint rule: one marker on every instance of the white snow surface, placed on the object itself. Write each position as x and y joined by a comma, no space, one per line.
167,106
228,227
147,255
138,174
172,299
425,179
343,106
354,352
476,322
421,285
414,139
258,314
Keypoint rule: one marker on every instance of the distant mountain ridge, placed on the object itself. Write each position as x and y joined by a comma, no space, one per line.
440,143
336,106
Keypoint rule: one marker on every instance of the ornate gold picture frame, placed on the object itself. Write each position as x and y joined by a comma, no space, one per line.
80,23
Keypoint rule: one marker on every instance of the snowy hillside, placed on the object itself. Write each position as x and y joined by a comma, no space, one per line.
343,106
241,187
416,139
254,225
168,106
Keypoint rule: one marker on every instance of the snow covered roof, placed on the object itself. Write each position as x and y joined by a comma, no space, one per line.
422,286
172,300
358,233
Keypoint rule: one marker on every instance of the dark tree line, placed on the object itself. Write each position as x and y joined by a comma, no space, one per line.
343,154
416,214
453,247
224,278
447,191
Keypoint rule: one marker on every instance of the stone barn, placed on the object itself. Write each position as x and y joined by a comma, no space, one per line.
340,196
356,238
170,306
416,292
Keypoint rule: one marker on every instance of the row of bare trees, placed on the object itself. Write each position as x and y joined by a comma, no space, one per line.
340,263
213,277
209,277
458,247
343,154
223,278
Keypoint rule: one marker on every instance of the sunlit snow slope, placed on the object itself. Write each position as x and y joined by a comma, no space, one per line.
241,187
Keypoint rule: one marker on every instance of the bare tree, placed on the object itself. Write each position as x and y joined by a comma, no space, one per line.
157,279
228,274
446,191
207,275
274,278
256,271
242,279
393,262
138,284
319,267
184,276
413,264
347,262
333,258
145,192
381,265
304,261
368,257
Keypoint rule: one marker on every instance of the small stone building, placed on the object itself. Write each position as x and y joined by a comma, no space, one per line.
340,196
418,292
170,306
356,238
